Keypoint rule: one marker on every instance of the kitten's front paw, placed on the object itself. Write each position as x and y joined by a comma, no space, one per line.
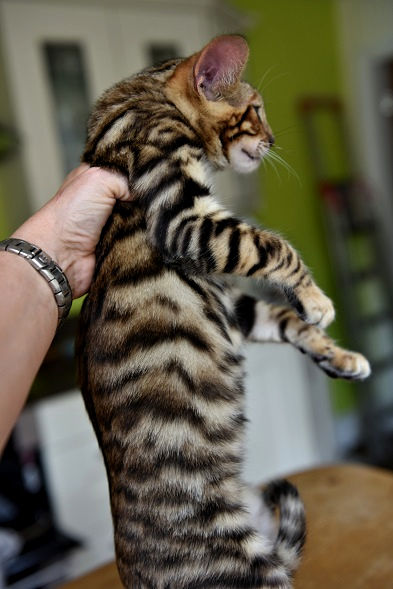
314,306
345,364
335,361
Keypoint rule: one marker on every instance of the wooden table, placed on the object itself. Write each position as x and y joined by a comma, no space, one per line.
350,532
350,528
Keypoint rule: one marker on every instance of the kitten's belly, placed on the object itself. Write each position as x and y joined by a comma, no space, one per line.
165,373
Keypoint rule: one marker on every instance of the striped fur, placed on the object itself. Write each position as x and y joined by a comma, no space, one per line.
160,340
262,322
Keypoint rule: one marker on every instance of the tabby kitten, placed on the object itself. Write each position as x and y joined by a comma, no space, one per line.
160,335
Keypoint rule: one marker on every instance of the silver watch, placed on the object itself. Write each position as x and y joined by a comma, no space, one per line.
48,269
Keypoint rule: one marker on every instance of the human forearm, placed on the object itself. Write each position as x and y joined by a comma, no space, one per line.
27,298
67,229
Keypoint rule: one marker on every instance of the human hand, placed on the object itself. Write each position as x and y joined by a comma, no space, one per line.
68,227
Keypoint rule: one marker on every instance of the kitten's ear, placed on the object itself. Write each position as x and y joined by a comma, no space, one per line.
219,65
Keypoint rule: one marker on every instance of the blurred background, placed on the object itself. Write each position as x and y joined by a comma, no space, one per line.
325,69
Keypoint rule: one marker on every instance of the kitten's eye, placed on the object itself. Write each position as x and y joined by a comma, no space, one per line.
257,109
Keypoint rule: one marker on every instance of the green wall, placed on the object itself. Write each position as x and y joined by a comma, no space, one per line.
14,203
294,53
3,221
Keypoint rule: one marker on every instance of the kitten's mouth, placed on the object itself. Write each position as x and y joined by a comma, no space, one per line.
253,158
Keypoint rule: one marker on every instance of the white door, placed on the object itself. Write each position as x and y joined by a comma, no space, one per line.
28,29
143,31
101,45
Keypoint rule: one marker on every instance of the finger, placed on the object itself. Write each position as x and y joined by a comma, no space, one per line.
124,190
116,183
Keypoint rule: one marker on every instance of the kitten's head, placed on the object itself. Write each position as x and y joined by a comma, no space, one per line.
227,113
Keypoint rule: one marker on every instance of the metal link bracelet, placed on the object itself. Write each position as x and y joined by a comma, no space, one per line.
48,269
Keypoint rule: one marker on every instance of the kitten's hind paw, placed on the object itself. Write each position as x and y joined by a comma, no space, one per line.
345,364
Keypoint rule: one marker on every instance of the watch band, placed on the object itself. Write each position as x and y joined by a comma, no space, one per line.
48,269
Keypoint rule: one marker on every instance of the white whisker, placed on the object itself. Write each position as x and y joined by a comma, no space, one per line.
283,131
277,77
263,77
273,156
270,161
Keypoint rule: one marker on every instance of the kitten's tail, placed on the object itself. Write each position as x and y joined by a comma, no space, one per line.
291,536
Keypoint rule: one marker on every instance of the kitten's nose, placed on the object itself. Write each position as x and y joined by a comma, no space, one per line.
270,140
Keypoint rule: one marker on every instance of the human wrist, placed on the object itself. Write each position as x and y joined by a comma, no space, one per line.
46,229
42,231
26,289
44,266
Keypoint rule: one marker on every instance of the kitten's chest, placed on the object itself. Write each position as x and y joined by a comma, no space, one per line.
144,306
